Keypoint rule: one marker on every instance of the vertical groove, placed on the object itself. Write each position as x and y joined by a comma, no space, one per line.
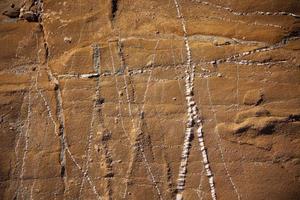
193,122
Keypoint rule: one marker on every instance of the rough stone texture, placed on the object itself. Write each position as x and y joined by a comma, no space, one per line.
93,101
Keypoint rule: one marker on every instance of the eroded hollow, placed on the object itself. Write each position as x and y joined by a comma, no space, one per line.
114,8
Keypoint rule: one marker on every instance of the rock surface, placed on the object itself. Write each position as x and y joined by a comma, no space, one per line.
150,100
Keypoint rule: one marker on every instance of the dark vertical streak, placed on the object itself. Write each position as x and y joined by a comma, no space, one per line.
114,8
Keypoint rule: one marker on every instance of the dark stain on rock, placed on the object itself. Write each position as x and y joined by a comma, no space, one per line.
114,8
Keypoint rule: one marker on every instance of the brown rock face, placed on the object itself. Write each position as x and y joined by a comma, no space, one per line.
143,99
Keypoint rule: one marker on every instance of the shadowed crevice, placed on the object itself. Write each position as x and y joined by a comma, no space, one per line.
114,9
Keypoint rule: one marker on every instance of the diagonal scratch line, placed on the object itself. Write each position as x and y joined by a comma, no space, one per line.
26,137
50,115
193,120
267,13
125,70
138,144
148,167
94,112
219,141
116,86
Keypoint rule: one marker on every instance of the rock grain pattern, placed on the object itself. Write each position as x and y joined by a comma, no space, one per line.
156,99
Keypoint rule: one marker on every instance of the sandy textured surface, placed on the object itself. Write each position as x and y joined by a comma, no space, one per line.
150,99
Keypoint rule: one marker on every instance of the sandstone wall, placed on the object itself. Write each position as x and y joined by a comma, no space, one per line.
152,99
